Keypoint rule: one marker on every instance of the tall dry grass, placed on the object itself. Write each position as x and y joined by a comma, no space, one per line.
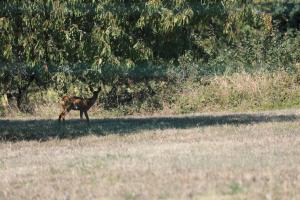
241,91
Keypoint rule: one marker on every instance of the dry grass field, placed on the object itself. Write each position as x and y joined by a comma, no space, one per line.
203,156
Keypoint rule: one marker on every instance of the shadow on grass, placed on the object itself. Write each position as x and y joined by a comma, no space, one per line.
41,130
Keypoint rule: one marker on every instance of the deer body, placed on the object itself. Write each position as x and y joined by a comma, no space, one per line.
78,103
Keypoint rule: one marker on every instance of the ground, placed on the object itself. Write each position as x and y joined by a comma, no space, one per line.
199,156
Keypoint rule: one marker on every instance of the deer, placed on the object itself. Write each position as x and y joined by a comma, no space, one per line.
69,103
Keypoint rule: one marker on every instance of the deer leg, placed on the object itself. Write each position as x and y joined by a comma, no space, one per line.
67,111
81,114
61,116
86,116
64,113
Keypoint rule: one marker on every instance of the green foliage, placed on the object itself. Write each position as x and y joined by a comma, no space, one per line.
136,48
235,188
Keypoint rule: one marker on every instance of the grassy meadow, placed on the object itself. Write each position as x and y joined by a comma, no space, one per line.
196,156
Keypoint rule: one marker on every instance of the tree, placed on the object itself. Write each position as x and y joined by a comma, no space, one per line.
117,43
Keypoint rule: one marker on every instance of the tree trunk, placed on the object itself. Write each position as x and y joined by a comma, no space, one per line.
23,102
4,104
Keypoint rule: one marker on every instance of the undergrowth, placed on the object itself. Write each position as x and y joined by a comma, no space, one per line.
241,92
235,92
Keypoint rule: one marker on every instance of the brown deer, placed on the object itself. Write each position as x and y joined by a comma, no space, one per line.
78,103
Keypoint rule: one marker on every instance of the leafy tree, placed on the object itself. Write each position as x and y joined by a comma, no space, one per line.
131,47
